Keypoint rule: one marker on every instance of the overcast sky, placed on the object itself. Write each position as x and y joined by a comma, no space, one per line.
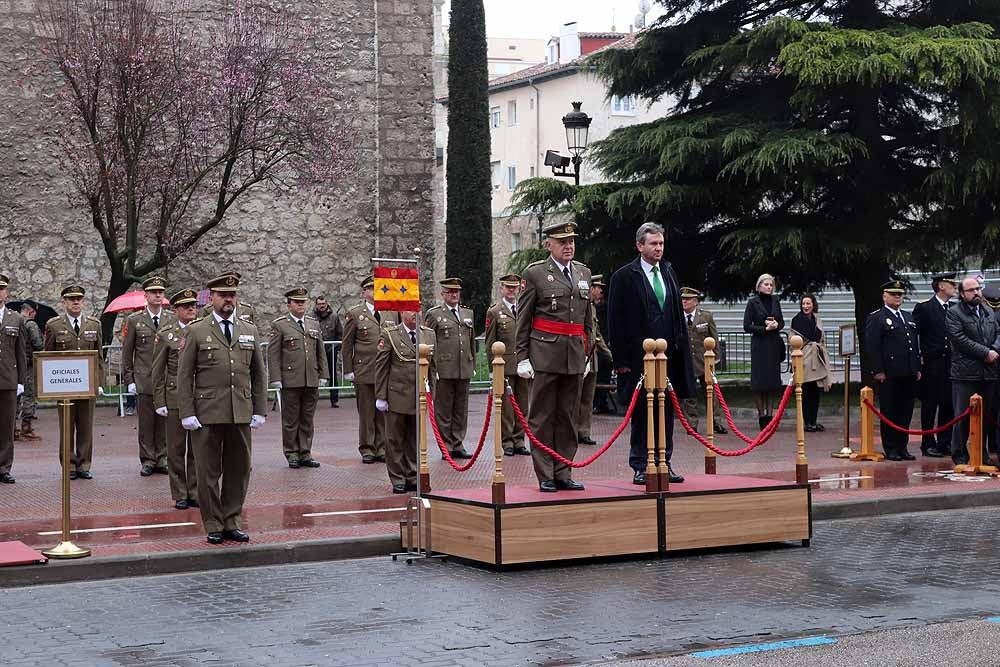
542,18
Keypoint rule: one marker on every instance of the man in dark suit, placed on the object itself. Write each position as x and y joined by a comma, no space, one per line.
935,357
644,302
893,352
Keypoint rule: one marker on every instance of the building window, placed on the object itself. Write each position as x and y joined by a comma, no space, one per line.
511,178
495,174
495,117
623,106
515,241
512,113
531,172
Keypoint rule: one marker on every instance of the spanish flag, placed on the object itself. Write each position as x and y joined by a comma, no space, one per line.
397,289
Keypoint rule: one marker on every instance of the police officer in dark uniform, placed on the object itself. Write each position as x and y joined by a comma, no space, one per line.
893,351
935,357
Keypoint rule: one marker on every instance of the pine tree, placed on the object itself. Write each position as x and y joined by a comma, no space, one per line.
469,249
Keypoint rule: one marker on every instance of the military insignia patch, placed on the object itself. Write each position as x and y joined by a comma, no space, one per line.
888,321
489,321
549,278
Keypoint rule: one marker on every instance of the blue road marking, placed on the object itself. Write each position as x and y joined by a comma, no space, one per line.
993,619
772,646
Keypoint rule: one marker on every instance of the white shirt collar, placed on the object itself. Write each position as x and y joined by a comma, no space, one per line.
894,311
510,304
646,266
943,303
562,267
183,326
152,315
691,314
79,319
408,330
371,307
3,312
220,318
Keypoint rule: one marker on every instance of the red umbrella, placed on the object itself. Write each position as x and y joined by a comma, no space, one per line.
127,301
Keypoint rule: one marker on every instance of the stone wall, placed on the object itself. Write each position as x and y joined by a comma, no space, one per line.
382,85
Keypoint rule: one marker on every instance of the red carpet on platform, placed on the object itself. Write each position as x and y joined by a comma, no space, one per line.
17,553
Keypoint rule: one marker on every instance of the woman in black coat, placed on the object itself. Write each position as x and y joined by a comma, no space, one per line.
807,325
763,321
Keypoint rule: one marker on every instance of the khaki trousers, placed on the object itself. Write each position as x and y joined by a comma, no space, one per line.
451,409
298,409
511,432
555,398
401,448
81,434
691,408
8,418
26,402
586,408
222,451
180,459
371,422
152,433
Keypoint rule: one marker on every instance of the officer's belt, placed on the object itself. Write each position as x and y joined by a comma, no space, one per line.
561,328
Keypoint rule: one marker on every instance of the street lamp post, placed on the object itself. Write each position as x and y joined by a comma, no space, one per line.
577,125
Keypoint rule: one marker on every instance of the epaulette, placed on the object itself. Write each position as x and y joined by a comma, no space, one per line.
433,308
280,318
390,326
196,320
539,262
93,319
53,319
427,329
874,311
579,263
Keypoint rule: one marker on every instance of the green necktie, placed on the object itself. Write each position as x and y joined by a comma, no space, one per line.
658,290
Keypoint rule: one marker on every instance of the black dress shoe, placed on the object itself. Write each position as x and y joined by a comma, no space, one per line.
893,457
399,488
809,428
763,421
411,486
586,440
335,405
569,485
181,504
309,463
639,477
192,502
719,428
146,470
461,454
84,474
906,456
236,535
548,486
214,538
508,451
819,427
934,453
293,464
161,470
673,477
522,450
6,478
380,459
72,474
368,458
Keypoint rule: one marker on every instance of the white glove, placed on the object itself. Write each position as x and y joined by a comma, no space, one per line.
525,370
323,382
20,389
381,405
586,369
256,421
162,411
191,423
100,391
131,388
349,377
276,385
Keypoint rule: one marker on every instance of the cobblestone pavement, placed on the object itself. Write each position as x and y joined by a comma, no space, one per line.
859,575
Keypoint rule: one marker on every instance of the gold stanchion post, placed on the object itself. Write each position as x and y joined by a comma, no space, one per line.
65,548
867,452
425,471
846,452
648,367
499,485
710,404
975,465
801,464
662,471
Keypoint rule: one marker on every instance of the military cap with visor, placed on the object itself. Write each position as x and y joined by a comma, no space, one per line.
184,297
297,294
70,291
560,230
224,283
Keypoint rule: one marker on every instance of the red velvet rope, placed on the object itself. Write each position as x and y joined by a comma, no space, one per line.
440,441
908,431
556,455
729,415
764,436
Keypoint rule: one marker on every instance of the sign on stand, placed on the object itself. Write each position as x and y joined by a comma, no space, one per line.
62,376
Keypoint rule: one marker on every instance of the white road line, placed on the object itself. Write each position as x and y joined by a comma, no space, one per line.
390,509
111,529
839,479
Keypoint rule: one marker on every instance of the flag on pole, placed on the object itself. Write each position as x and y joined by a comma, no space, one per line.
397,289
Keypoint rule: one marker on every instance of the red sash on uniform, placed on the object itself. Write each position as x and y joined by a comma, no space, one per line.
562,329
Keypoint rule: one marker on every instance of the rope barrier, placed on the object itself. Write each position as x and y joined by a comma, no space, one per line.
440,441
556,455
717,389
908,431
764,436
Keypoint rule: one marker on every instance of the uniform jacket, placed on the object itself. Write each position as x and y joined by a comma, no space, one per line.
545,294
169,344
501,326
702,327
455,354
296,358
395,370
59,335
137,349
244,311
971,338
892,347
13,355
599,351
929,316
34,341
361,336
219,382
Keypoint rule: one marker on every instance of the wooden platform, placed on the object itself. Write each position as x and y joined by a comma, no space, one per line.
616,518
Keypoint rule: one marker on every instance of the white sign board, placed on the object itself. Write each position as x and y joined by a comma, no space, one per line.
69,376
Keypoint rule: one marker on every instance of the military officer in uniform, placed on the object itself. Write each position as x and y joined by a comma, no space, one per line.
362,329
893,351
455,361
700,325
935,367
243,311
297,365
13,377
501,326
73,331
600,355
169,344
33,342
137,373
395,391
221,396
555,329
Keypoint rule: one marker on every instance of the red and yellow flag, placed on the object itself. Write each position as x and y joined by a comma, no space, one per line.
397,289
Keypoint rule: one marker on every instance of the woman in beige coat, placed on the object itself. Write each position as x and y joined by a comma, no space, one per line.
815,360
